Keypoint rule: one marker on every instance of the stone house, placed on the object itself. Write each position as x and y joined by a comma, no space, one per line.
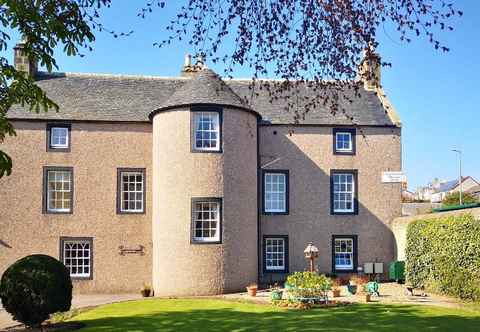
179,183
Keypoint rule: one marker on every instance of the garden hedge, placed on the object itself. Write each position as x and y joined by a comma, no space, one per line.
443,255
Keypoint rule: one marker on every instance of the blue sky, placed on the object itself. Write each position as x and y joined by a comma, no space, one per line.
436,94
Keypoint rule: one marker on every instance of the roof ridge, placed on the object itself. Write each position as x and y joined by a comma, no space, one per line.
242,79
105,75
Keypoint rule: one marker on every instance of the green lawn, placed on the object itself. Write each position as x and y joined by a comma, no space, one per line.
217,315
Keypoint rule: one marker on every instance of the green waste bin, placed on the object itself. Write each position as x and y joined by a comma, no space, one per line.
396,271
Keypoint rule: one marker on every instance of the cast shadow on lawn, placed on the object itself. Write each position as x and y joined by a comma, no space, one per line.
351,318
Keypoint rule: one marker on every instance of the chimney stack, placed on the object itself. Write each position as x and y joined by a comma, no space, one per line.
21,60
370,69
188,69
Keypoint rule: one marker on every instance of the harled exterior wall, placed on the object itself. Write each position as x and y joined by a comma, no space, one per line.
179,266
175,175
97,150
307,152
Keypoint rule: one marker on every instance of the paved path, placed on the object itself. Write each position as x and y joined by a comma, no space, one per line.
78,301
390,293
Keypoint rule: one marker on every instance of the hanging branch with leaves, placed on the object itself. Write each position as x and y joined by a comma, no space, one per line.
305,43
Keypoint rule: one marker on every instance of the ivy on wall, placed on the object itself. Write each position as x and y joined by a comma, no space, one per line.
443,255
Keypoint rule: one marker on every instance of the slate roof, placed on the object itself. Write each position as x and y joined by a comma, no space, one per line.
447,186
450,185
100,97
206,87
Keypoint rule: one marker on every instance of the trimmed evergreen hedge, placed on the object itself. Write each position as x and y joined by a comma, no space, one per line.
34,287
443,255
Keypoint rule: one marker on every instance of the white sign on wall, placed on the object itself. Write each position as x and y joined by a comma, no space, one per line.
393,177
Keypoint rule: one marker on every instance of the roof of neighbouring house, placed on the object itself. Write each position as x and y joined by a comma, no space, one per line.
450,185
474,190
102,97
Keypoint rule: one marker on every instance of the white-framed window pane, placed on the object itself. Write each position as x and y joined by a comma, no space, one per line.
275,192
343,192
343,254
207,131
343,141
77,257
131,191
59,190
275,254
59,137
206,221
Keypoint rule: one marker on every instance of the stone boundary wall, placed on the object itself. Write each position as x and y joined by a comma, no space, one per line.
399,226
413,209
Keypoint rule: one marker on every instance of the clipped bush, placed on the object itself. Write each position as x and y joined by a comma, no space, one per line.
34,287
442,255
454,199
308,285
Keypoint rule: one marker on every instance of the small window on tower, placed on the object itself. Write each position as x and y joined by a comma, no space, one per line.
206,131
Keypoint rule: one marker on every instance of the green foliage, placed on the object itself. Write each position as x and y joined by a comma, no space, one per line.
308,284
442,254
454,199
44,25
34,287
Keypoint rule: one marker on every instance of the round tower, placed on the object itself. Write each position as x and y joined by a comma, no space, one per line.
204,190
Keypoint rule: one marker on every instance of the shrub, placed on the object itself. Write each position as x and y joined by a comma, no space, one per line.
34,287
454,199
442,255
308,285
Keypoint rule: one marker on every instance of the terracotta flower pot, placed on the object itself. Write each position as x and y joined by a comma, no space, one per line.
336,292
368,297
252,291
145,292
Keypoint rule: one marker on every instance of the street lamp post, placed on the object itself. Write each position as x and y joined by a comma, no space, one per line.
460,176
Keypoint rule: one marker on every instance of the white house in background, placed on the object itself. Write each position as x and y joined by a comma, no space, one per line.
475,191
453,186
425,193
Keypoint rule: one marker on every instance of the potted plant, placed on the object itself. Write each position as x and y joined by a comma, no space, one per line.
336,287
146,290
352,286
356,284
252,289
368,297
276,293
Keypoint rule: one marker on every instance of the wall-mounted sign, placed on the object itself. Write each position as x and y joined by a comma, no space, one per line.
124,250
393,177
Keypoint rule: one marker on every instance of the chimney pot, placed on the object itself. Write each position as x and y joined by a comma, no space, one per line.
21,60
188,60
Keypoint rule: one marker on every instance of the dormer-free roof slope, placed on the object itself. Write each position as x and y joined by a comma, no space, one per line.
99,97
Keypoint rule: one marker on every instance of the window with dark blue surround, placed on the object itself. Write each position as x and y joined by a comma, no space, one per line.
206,220
344,253
206,129
344,141
275,253
275,191
344,192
